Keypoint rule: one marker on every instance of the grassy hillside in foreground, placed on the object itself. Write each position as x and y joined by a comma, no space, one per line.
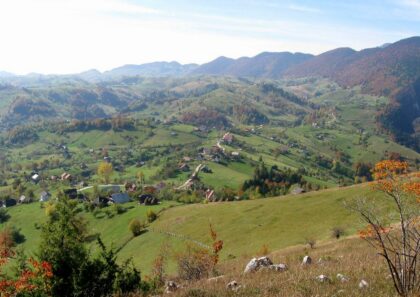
244,226
351,257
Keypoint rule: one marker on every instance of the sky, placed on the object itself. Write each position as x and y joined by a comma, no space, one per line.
71,36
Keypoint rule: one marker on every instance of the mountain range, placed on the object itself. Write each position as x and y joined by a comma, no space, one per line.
390,70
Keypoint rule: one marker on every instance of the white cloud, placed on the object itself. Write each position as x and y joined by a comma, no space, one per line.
302,8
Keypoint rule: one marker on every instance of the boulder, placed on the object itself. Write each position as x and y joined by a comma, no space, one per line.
363,284
233,285
342,278
323,278
307,260
257,263
171,286
278,267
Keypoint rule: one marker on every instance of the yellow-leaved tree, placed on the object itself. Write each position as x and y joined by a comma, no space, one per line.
105,171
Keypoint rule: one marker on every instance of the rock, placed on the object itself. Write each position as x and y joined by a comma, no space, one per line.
171,286
363,284
307,260
323,278
342,278
256,264
215,279
278,267
233,285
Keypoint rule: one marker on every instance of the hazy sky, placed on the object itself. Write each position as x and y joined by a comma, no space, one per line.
68,36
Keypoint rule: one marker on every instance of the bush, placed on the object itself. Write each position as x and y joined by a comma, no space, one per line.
337,232
119,209
18,237
310,242
136,227
195,263
151,216
4,216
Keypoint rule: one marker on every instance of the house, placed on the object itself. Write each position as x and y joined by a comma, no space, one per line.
228,138
70,193
297,191
8,202
130,187
102,201
186,159
120,198
184,167
24,199
149,189
235,154
53,177
148,199
45,196
35,178
209,195
206,169
107,159
66,176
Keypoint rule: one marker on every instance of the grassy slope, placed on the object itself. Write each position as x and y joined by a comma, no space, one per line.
244,226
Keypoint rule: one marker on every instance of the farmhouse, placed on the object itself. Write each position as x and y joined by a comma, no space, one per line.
45,196
66,176
35,178
120,198
8,202
70,193
228,138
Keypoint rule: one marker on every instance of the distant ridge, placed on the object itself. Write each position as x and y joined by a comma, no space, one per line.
264,65
152,69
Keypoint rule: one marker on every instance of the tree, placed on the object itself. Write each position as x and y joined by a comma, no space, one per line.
105,171
398,244
62,245
140,177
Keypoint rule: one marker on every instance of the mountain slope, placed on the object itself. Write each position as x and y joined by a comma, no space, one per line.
264,65
151,69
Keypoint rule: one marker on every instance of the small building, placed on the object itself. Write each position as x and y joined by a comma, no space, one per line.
184,167
235,154
206,169
228,138
107,159
148,199
66,176
186,159
102,201
209,195
23,199
298,190
45,196
35,177
70,193
8,202
119,198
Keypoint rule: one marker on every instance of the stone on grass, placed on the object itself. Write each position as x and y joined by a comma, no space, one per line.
323,278
278,267
363,284
342,278
233,285
171,286
307,260
257,263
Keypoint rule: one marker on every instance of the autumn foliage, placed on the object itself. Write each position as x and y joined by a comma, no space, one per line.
33,279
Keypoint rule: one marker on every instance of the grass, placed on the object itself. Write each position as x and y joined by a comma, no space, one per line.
244,226
351,257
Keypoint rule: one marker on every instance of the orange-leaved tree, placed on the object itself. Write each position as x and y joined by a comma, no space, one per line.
34,278
393,223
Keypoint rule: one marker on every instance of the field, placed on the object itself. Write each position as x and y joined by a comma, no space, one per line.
244,226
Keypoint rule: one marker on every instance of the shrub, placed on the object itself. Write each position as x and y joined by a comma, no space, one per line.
337,232
151,216
4,216
310,242
136,227
119,209
195,263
